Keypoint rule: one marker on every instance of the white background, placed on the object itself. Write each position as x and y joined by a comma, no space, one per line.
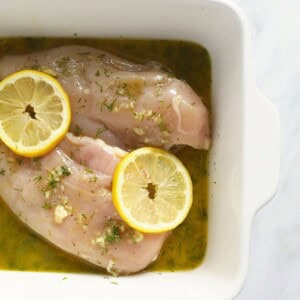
274,266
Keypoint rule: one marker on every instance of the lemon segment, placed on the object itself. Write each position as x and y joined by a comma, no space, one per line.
35,112
152,190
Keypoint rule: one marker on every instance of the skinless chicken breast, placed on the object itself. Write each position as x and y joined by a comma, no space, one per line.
65,197
123,103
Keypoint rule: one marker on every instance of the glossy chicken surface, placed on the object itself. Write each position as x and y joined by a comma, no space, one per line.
121,102
65,197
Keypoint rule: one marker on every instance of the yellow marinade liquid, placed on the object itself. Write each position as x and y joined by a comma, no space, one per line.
20,249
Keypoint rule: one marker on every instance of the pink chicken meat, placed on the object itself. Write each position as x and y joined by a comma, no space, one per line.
123,103
65,197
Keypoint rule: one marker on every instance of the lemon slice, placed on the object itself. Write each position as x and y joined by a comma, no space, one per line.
34,113
152,190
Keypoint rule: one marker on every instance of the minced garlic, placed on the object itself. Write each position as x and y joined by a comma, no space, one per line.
139,131
60,213
110,268
137,236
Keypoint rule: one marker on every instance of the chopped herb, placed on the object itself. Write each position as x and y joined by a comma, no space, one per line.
65,171
170,264
62,63
138,115
122,89
106,72
93,179
35,67
90,171
99,131
47,205
163,126
101,56
54,177
170,74
113,235
111,105
157,92
78,130
2,172
37,178
19,161
37,162
97,73
100,86
52,181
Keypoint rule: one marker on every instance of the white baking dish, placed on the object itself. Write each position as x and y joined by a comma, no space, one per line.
244,159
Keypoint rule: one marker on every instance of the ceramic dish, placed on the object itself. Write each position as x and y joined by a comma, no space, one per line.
244,159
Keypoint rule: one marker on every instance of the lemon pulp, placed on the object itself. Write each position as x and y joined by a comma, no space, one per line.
152,190
34,112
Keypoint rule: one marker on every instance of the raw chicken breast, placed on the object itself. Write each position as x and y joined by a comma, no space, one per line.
119,101
65,197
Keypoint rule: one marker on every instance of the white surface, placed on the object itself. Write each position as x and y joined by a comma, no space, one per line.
274,263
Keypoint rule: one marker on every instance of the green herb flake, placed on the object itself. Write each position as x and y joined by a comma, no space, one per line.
78,130
93,179
113,235
163,126
111,105
2,172
37,178
100,57
52,181
55,176
106,72
99,131
37,162
100,86
65,171
19,161
89,171
47,205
